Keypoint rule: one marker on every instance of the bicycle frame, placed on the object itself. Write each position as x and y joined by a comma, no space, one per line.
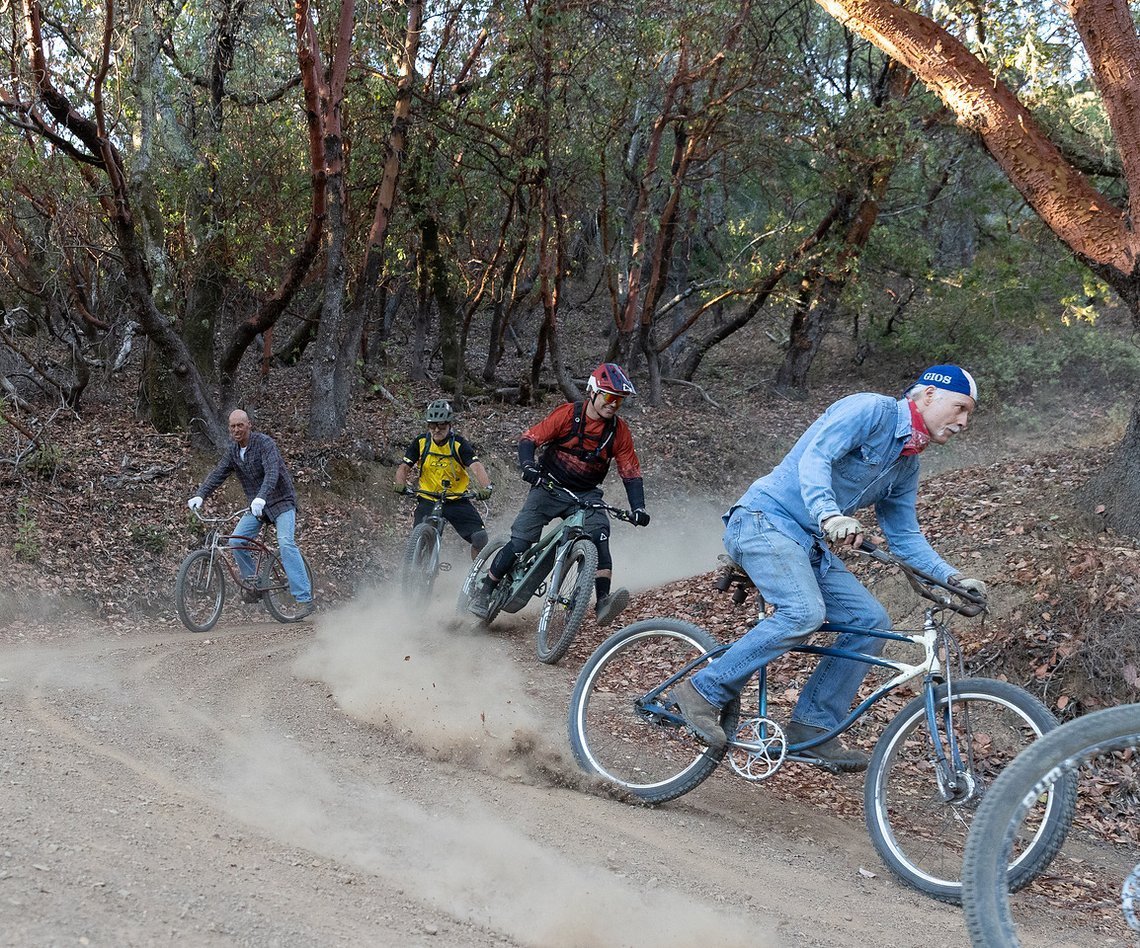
222,547
532,568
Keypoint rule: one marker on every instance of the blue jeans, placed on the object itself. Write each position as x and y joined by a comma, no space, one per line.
286,523
788,576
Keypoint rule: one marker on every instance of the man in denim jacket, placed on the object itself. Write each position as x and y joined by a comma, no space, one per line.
257,461
862,452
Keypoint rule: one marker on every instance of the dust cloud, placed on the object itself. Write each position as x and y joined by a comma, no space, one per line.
683,539
439,682
447,688
462,858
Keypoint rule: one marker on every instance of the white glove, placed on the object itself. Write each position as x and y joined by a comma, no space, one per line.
194,503
976,586
839,528
257,506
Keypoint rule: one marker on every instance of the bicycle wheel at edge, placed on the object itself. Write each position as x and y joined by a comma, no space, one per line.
475,576
1059,754
200,591
652,757
420,562
918,832
566,601
278,599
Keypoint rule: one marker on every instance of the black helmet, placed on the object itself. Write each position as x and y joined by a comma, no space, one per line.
440,411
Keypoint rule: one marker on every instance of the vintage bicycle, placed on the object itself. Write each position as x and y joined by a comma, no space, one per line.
932,765
1093,746
422,552
200,589
559,567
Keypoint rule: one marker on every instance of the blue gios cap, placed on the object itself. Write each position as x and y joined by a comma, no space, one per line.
953,378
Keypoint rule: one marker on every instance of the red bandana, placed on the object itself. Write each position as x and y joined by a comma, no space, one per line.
919,435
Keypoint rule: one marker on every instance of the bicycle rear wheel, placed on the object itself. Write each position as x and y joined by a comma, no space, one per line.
918,826
623,725
421,562
475,577
567,599
278,597
1090,741
200,591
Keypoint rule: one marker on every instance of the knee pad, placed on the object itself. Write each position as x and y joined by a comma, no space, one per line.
479,539
602,542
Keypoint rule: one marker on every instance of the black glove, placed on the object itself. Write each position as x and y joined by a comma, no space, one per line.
531,474
640,518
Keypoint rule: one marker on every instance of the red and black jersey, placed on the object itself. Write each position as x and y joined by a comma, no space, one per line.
577,450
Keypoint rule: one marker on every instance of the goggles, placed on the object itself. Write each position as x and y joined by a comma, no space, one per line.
609,398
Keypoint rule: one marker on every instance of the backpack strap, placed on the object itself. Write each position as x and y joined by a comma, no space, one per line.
452,450
578,431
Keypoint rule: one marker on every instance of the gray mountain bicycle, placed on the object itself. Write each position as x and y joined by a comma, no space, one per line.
559,567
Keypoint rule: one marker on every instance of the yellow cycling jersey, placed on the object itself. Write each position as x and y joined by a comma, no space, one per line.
440,462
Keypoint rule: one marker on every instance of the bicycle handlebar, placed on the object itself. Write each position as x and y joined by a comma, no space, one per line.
618,512
224,518
968,603
439,494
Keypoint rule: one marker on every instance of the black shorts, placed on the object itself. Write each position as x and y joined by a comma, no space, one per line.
541,506
461,514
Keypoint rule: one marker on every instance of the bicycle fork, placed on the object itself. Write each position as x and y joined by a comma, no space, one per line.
956,781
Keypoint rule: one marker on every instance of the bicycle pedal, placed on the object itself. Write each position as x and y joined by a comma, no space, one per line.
829,766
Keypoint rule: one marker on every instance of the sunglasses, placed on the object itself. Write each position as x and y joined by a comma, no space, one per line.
439,424
609,398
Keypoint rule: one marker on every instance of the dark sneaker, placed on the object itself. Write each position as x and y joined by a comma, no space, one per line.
832,752
305,609
480,603
251,596
702,716
611,606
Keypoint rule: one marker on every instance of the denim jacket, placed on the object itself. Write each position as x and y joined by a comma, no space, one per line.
850,457
262,473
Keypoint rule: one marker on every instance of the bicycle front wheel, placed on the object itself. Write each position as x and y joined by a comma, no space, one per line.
1088,741
278,597
421,562
919,823
566,602
623,725
200,591
475,576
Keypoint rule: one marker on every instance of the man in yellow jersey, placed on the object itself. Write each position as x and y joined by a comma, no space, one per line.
442,455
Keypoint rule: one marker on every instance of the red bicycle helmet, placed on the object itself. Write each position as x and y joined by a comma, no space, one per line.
608,377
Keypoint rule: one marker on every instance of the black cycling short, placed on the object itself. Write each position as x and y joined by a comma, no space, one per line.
461,514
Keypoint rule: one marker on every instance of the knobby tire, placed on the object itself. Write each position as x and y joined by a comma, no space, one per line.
566,602
421,564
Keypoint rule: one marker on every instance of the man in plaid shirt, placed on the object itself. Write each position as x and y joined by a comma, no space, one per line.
257,461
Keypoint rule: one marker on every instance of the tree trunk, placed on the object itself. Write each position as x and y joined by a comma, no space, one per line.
1099,233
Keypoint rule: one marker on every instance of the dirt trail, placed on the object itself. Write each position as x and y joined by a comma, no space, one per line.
355,782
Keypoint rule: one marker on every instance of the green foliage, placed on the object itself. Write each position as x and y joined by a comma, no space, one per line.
27,542
152,539
44,462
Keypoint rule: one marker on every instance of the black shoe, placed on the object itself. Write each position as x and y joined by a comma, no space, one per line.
251,596
480,604
832,752
611,606
305,609
702,716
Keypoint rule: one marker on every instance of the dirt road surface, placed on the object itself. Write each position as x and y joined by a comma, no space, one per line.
379,777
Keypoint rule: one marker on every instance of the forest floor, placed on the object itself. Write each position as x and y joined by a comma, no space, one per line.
386,776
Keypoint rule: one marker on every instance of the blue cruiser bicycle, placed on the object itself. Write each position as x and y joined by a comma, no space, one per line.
931,767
